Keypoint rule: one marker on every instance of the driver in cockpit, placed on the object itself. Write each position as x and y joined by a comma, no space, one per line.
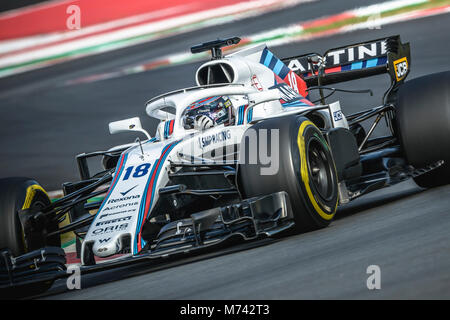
209,112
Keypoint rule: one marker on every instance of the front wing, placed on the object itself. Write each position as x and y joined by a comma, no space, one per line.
249,219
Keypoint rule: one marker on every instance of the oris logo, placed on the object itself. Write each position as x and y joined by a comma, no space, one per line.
119,227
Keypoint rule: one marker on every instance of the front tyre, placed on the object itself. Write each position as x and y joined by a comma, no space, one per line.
18,194
306,171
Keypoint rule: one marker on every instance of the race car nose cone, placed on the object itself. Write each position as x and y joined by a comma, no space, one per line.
106,247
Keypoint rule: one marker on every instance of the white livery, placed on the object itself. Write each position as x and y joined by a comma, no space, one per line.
256,92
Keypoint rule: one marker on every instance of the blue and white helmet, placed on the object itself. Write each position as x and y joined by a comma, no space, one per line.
219,109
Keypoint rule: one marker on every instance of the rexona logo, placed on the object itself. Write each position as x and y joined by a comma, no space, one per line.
401,68
124,199
102,223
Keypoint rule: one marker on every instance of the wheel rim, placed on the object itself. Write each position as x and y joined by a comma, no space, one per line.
320,170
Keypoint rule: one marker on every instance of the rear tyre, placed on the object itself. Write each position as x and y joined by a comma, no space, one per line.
19,194
306,170
423,124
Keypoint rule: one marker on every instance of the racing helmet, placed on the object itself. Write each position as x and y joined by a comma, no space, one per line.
219,109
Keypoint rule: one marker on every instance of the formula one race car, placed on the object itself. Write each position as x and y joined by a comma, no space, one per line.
244,155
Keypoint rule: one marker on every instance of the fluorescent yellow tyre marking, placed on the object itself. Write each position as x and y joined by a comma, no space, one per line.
306,171
305,175
31,192
18,193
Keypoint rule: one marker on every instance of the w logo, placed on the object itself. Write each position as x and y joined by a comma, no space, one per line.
104,240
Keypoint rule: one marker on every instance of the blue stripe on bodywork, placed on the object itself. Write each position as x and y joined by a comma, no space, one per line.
241,115
364,64
356,65
166,130
273,63
382,60
249,115
151,140
142,206
144,197
263,56
372,63
278,66
346,67
284,72
119,173
295,104
268,58
169,148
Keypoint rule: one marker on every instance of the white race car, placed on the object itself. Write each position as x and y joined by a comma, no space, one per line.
245,154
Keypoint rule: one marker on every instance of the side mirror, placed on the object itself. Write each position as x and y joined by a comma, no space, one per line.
127,125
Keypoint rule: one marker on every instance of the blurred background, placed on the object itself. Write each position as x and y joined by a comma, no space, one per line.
10,5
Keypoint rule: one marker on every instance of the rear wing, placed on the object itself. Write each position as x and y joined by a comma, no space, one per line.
365,59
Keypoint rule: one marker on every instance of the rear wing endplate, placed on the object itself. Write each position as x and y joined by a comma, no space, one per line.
365,59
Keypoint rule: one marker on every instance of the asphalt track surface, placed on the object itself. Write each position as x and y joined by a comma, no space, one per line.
403,229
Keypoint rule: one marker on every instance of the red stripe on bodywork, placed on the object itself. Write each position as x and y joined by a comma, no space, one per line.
301,84
116,176
335,69
149,195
